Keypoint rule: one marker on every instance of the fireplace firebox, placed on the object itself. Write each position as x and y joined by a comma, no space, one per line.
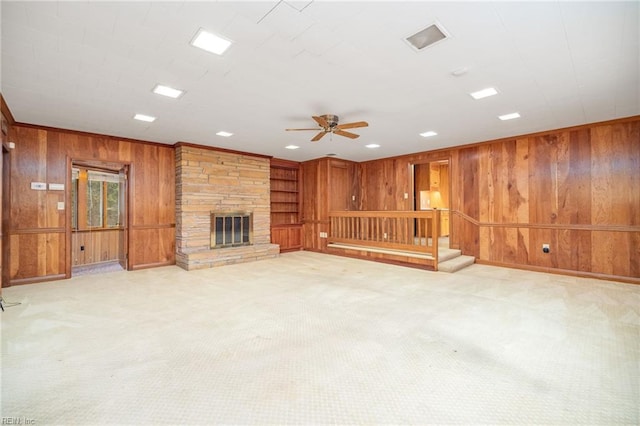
231,229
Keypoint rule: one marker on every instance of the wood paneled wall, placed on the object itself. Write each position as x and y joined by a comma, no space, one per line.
327,184
95,246
576,189
40,238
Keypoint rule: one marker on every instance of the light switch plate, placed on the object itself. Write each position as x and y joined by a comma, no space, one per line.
56,187
39,186
60,205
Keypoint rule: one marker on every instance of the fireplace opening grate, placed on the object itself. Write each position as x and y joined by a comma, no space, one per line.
231,229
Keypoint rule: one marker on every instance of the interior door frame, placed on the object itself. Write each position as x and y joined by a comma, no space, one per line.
4,223
114,166
427,162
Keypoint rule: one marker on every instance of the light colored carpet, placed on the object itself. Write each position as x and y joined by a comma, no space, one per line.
96,268
314,339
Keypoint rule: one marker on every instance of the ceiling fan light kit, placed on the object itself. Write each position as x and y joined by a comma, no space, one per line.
329,124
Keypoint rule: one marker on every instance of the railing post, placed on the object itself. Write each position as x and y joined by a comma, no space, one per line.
436,236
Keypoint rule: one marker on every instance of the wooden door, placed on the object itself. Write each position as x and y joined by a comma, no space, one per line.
339,185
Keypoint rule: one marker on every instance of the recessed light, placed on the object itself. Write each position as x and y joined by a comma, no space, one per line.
225,134
167,91
210,42
509,116
372,146
142,117
426,37
428,134
292,147
484,93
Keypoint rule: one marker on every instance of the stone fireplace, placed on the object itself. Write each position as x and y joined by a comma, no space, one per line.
218,187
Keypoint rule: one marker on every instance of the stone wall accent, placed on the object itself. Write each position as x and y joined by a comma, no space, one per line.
209,180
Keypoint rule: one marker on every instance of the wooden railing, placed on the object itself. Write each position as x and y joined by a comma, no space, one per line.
412,231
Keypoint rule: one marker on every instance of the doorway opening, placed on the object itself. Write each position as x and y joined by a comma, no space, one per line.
431,190
99,229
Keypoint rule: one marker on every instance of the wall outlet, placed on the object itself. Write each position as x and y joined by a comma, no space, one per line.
406,195
353,198
323,235
384,235
545,248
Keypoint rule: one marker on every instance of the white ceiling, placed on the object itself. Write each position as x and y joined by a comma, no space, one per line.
90,66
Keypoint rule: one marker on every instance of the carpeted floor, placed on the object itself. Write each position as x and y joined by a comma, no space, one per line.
316,339
96,268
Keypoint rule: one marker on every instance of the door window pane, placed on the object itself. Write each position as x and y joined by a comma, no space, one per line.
74,203
94,204
113,204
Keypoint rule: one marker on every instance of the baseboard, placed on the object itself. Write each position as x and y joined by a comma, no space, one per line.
34,280
558,271
151,265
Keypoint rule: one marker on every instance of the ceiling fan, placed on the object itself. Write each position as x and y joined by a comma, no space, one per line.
329,124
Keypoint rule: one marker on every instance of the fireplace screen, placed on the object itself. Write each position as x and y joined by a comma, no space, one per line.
231,229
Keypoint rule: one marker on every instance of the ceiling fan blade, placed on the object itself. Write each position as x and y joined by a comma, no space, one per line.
346,134
289,130
318,136
321,121
352,125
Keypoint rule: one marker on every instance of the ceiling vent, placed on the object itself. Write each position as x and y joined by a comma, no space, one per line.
429,36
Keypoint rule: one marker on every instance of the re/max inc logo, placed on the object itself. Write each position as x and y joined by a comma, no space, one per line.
18,421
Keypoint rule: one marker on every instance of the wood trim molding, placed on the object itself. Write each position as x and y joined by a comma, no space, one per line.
21,281
4,108
213,148
279,162
150,265
572,227
95,230
464,217
36,231
570,272
157,226
337,252
509,138
89,134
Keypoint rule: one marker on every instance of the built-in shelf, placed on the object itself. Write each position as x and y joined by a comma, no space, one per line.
286,228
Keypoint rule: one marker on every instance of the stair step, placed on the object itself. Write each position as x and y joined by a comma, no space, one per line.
445,254
455,264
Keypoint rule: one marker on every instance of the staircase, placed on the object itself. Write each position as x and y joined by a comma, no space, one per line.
451,260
